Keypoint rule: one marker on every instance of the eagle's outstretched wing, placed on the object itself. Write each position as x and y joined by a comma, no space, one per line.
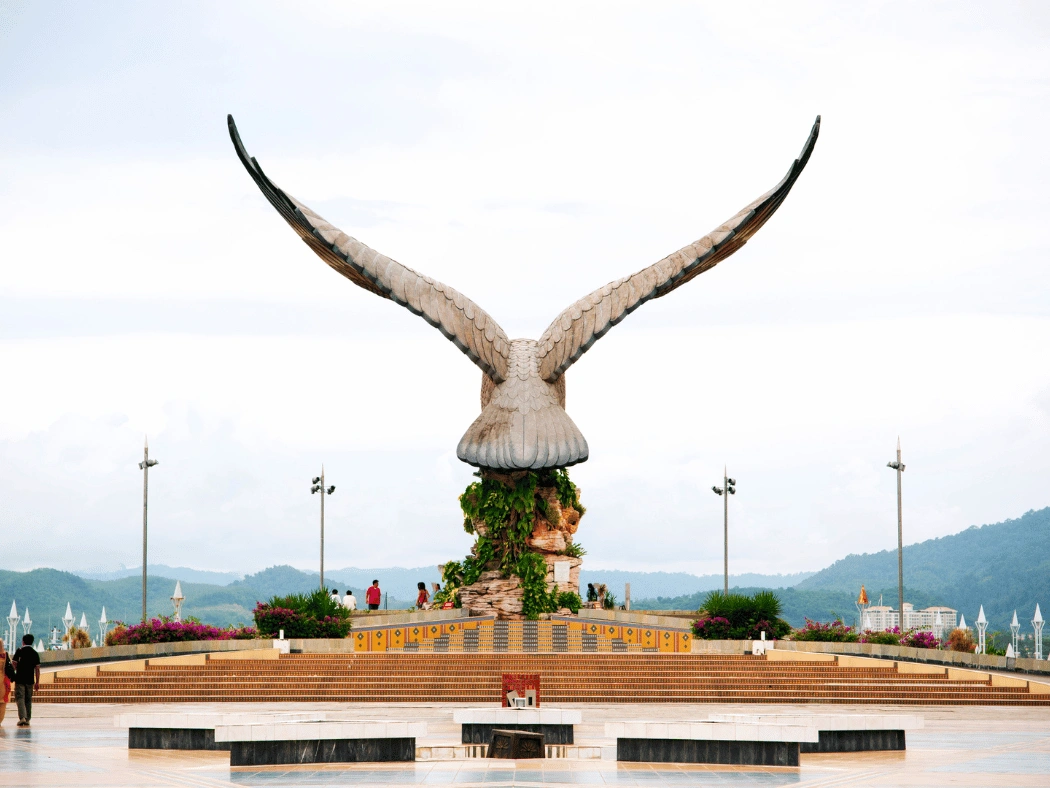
457,317
577,328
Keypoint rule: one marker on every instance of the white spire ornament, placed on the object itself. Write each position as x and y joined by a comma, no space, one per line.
982,625
1037,625
1015,631
12,624
103,627
177,599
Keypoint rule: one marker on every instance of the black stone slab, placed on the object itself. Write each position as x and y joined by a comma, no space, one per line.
481,733
174,739
740,753
855,741
516,744
268,753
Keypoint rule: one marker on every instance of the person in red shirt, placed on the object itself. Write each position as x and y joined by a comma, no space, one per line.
373,596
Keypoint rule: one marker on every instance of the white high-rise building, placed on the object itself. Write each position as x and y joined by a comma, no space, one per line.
883,617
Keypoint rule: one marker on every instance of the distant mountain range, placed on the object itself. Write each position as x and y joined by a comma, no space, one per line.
183,573
1004,566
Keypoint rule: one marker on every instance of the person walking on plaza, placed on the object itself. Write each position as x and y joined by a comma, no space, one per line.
373,596
350,601
27,679
8,675
423,598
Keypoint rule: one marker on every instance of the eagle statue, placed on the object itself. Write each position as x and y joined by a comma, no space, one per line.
523,424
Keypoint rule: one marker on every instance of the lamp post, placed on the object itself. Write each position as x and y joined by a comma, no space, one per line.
982,625
1037,625
318,487
898,466
728,488
144,466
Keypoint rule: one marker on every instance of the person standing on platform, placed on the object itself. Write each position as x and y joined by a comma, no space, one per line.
373,596
423,598
5,680
27,679
350,601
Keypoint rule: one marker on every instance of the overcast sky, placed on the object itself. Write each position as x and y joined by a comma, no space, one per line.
524,154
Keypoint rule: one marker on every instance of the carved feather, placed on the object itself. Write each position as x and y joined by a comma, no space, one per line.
462,321
574,331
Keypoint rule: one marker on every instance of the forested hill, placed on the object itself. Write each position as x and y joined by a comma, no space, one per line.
1004,566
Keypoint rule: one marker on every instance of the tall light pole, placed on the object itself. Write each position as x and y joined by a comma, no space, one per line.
728,488
144,466
318,487
898,466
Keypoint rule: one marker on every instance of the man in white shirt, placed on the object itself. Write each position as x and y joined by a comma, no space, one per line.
350,601
335,596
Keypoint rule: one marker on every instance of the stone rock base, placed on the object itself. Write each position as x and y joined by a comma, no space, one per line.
495,595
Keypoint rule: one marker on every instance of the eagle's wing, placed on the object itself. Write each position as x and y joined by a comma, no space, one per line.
577,328
457,317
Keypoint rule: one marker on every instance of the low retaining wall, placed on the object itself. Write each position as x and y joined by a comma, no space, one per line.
630,617
929,656
932,656
146,650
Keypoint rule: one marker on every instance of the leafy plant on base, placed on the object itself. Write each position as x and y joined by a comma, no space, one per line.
503,515
747,617
961,640
77,638
314,615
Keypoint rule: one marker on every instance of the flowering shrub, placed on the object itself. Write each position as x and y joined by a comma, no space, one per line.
164,630
712,628
914,639
740,617
770,628
961,640
889,637
77,638
313,615
835,632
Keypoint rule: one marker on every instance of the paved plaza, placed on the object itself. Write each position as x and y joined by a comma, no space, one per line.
77,744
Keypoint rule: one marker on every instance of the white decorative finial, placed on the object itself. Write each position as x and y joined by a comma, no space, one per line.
962,622
980,616
1015,623
178,591
1038,615
14,610
83,621
103,619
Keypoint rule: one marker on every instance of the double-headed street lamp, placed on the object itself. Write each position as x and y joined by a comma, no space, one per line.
144,466
898,466
728,488
318,487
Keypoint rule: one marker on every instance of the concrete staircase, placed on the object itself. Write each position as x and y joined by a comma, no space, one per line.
599,677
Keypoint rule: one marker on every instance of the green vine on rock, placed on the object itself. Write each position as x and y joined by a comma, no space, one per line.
501,510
